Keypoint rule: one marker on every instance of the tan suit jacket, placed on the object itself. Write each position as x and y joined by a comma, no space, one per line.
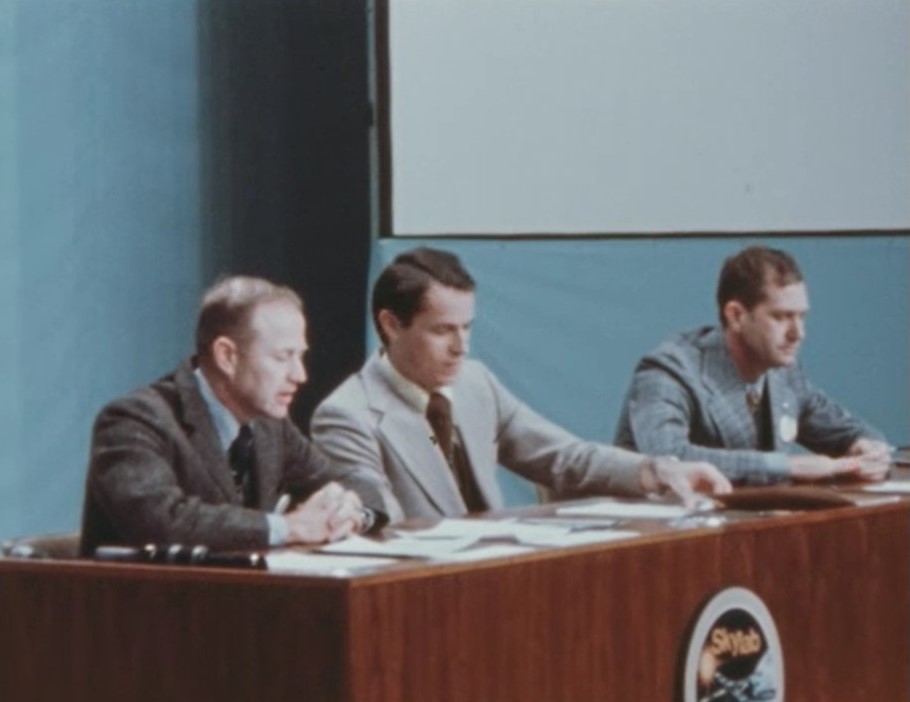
366,422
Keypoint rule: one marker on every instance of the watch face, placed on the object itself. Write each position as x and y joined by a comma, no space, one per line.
734,654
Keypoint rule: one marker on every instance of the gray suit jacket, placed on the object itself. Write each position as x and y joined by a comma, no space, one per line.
158,473
687,399
365,422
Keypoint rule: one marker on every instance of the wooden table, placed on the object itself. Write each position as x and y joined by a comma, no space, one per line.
594,623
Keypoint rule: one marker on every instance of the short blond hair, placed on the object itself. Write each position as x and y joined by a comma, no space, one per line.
227,308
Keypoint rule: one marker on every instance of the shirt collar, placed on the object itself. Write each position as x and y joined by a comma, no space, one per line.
226,424
758,386
728,371
415,396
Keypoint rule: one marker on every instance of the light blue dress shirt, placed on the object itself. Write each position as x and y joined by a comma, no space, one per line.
227,427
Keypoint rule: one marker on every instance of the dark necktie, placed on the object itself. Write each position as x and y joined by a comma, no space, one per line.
753,399
241,457
439,415
760,407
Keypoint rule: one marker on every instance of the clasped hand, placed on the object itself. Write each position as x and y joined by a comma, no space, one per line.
329,514
866,459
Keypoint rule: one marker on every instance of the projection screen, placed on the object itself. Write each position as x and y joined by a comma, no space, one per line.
543,117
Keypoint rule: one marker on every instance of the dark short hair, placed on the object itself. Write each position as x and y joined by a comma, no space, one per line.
228,306
746,276
402,286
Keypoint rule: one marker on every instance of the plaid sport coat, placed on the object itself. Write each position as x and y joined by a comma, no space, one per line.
687,399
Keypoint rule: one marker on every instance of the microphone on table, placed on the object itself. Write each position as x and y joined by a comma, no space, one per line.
178,554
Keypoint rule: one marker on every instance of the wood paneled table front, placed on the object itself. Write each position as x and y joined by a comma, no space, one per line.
584,624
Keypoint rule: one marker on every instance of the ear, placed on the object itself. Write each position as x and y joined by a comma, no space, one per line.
734,311
224,355
390,324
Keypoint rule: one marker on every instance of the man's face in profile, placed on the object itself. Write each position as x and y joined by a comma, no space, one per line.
269,362
429,351
773,330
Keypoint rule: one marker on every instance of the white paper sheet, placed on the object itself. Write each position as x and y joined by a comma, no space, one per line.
404,547
889,486
581,538
485,552
626,510
488,529
321,564
464,528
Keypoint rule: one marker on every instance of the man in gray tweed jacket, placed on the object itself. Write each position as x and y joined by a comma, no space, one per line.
734,395
204,455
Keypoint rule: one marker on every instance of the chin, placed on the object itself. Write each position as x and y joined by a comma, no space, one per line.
446,380
278,412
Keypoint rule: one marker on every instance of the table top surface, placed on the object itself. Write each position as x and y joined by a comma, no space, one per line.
764,514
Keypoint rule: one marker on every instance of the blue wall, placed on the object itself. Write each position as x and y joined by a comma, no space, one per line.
101,254
562,323
146,145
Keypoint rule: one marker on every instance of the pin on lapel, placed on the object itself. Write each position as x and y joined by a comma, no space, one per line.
787,428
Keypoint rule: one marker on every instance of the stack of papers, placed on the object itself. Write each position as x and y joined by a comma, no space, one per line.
535,532
626,510
287,561
401,547
486,529
889,486
484,552
451,540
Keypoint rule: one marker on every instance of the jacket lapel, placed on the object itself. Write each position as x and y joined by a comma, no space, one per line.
407,435
727,403
201,432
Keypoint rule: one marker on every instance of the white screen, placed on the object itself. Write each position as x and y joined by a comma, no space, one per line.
632,116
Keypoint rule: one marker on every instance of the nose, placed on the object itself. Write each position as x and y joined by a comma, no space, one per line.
297,373
797,329
461,342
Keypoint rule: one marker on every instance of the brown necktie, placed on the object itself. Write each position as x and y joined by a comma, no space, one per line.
439,414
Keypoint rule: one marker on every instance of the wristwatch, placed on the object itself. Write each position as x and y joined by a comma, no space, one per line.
367,520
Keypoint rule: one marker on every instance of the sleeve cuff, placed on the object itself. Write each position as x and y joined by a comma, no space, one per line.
777,467
373,521
278,529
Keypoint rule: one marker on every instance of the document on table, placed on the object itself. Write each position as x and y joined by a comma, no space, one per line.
484,552
534,531
581,538
530,532
889,486
321,564
488,529
402,547
626,510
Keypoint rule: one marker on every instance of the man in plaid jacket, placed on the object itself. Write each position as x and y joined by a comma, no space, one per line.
735,395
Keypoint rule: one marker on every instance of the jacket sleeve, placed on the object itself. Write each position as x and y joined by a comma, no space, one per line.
545,453
824,425
661,415
309,467
351,443
148,489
